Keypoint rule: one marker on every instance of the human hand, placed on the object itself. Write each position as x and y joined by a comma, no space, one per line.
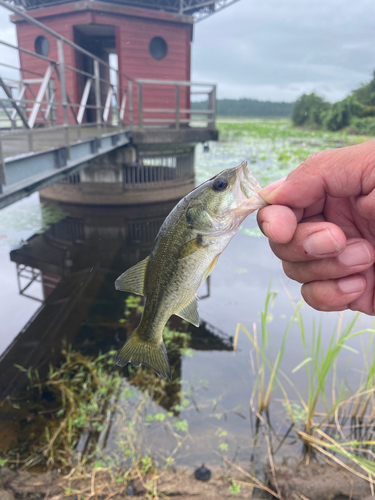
321,224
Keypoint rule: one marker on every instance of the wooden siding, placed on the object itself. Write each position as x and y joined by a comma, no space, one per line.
133,35
27,33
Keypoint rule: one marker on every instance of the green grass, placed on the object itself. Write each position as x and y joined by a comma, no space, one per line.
345,413
267,369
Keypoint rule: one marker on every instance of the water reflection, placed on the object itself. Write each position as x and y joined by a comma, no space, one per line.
75,263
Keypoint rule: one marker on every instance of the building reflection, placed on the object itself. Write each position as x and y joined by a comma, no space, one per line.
75,263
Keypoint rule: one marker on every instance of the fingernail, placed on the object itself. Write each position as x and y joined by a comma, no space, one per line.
352,284
321,243
265,228
271,187
355,254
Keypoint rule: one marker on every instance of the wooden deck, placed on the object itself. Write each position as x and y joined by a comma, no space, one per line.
19,142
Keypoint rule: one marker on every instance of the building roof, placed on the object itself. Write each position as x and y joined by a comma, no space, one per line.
199,8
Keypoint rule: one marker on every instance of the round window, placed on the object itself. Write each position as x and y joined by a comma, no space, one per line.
41,45
158,47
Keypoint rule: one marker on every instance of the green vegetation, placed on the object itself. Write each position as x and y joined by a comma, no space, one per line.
71,413
85,400
308,110
265,367
19,221
342,413
272,148
78,400
356,111
249,108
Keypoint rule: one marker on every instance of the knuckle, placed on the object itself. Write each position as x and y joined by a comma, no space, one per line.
311,295
277,248
322,297
293,271
311,160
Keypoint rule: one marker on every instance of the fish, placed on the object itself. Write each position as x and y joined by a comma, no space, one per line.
185,252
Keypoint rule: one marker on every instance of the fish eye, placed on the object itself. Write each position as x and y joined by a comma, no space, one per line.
220,183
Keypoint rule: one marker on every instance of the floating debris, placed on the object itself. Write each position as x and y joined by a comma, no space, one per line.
202,473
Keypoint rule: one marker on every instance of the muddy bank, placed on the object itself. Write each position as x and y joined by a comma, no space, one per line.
104,486
306,482
319,482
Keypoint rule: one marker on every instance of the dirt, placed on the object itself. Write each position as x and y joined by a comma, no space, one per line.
296,482
319,482
172,484
8,434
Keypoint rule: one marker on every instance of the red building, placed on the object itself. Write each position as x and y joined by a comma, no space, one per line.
149,44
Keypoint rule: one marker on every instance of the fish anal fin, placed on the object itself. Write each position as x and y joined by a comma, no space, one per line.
139,352
190,312
211,267
132,280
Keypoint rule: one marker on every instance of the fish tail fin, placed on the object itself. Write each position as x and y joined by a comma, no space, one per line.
139,352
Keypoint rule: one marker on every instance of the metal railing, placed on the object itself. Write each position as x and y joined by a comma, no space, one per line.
27,106
38,111
182,113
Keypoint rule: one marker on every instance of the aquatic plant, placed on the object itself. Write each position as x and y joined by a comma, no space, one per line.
85,400
345,414
263,361
19,221
272,148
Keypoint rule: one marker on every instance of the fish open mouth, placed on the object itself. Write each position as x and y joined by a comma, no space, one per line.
247,190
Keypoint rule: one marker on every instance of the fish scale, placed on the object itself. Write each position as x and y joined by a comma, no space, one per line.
185,253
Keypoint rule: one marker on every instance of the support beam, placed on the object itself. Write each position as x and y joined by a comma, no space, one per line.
85,96
13,102
51,174
39,97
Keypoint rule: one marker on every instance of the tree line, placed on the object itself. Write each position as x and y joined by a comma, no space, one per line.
356,111
249,107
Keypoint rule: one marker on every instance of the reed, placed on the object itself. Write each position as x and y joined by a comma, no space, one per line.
320,365
347,418
266,370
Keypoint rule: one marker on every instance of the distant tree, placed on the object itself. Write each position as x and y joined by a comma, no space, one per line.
341,113
308,110
364,125
249,107
365,94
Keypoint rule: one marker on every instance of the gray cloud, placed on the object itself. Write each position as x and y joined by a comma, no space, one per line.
276,50
273,50
8,56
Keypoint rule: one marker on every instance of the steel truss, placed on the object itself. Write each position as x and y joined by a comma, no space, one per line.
200,9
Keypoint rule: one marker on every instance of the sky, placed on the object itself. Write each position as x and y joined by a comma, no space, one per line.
272,50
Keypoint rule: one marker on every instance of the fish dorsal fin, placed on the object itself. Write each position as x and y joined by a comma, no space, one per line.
190,312
133,279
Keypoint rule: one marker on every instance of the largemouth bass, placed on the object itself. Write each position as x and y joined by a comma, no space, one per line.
185,253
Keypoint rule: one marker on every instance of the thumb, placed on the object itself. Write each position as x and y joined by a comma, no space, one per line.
338,173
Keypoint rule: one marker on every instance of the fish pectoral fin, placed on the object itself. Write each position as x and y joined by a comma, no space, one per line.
133,279
190,247
211,267
190,312
140,352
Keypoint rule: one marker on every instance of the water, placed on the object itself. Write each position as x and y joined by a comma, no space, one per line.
78,252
